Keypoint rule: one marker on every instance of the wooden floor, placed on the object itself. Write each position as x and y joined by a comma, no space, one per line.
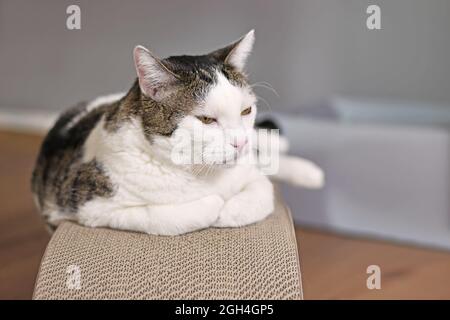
334,267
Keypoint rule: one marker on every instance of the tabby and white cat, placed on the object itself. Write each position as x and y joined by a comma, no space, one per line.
108,163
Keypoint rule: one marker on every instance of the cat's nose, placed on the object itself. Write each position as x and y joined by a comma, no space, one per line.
239,144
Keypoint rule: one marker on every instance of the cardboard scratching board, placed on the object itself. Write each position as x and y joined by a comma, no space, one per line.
259,261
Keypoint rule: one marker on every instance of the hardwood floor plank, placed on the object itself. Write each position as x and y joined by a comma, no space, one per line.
334,267
22,234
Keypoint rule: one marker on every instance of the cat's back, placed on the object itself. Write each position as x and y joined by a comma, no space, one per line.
59,160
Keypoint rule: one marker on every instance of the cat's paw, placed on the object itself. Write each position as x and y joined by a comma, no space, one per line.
185,217
229,215
212,204
238,212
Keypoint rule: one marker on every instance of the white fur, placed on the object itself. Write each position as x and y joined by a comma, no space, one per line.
299,172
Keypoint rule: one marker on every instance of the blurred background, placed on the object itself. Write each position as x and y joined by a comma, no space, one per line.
372,107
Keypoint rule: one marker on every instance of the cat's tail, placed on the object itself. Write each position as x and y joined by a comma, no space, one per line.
299,172
292,169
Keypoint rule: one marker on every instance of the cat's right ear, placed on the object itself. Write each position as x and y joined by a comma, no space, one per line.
236,54
155,78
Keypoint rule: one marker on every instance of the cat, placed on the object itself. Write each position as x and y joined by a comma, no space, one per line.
109,162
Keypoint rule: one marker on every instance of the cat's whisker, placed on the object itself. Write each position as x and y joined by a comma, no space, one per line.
204,168
266,103
197,170
265,85
209,169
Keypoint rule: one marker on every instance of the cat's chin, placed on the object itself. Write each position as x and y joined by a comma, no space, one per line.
226,165
229,159
223,163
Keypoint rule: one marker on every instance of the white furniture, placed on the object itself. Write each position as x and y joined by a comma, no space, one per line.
387,168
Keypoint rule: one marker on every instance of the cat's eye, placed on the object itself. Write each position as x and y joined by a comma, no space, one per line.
246,111
206,120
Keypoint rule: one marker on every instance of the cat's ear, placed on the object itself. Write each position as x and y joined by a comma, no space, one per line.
236,54
155,77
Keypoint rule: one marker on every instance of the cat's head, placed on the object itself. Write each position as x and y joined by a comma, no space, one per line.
206,97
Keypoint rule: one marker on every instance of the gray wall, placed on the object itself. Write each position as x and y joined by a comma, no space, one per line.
307,49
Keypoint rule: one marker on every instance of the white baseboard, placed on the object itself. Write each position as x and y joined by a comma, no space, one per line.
27,121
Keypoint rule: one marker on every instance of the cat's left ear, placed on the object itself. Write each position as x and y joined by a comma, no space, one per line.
236,54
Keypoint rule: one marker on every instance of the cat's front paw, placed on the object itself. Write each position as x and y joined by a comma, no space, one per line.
238,212
212,204
229,215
